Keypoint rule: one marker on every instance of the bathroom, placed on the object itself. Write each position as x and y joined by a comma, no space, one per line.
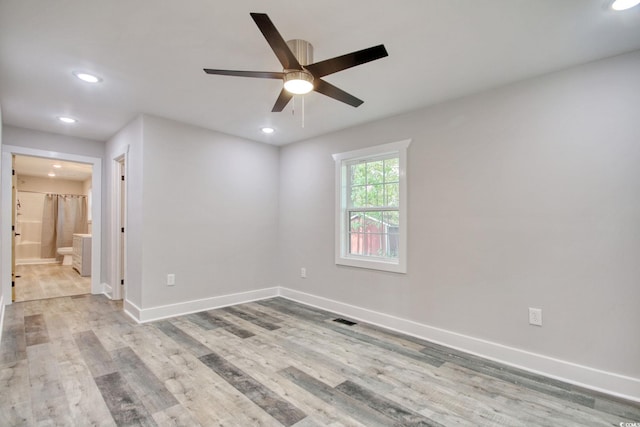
52,215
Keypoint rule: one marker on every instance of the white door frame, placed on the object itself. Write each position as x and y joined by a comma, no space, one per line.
119,219
5,209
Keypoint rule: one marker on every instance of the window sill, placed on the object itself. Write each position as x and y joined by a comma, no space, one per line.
372,264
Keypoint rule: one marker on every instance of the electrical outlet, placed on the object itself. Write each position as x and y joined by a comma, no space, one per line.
535,316
171,279
303,273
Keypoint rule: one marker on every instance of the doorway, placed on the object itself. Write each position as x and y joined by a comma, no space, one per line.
93,211
52,228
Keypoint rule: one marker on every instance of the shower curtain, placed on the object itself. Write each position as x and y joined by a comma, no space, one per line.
62,216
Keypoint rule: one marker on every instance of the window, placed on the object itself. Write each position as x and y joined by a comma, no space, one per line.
371,225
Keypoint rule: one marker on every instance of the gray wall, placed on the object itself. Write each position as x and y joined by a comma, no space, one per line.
129,141
52,142
209,213
524,196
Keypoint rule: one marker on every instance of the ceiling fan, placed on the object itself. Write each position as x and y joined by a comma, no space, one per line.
299,74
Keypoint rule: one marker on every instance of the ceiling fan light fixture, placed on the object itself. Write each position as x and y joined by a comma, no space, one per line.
624,4
298,82
86,77
67,120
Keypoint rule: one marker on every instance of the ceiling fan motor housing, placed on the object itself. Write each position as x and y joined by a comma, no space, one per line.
302,50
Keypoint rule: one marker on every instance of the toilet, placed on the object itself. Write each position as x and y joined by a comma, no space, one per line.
67,253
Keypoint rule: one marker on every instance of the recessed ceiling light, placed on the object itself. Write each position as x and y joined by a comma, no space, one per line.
267,130
51,174
57,166
624,4
68,120
86,77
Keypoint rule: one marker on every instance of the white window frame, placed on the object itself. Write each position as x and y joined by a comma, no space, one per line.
342,256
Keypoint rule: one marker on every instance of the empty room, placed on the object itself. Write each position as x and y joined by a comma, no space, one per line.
280,213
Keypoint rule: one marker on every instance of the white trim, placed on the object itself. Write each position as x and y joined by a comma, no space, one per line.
341,257
37,261
5,215
595,379
115,288
107,290
5,209
132,310
145,315
376,150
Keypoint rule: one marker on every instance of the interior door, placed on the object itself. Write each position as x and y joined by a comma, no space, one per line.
14,191
119,292
123,189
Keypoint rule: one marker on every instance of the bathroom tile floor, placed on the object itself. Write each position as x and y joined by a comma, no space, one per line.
39,281
81,361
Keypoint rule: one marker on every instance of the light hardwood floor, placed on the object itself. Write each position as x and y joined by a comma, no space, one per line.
39,281
80,361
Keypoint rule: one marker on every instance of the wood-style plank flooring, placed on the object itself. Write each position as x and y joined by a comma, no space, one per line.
39,281
80,361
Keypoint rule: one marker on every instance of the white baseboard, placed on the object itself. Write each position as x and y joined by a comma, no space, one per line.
595,379
131,310
34,261
107,290
171,310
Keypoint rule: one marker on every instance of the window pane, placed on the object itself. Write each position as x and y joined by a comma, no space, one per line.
390,219
374,184
392,194
393,240
356,241
358,173
375,172
374,233
358,196
375,195
357,222
392,170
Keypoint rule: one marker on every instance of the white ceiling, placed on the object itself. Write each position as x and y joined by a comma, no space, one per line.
150,54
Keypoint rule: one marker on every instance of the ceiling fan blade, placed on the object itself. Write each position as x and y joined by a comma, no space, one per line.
277,43
258,74
282,101
331,91
339,63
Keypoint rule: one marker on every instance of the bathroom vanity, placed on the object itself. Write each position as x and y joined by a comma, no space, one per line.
82,254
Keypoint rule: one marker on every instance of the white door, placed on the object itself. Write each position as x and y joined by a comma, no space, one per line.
121,198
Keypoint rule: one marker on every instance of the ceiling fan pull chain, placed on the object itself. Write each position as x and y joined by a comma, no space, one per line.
303,112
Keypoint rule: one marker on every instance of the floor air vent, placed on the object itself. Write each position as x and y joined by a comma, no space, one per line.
344,321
